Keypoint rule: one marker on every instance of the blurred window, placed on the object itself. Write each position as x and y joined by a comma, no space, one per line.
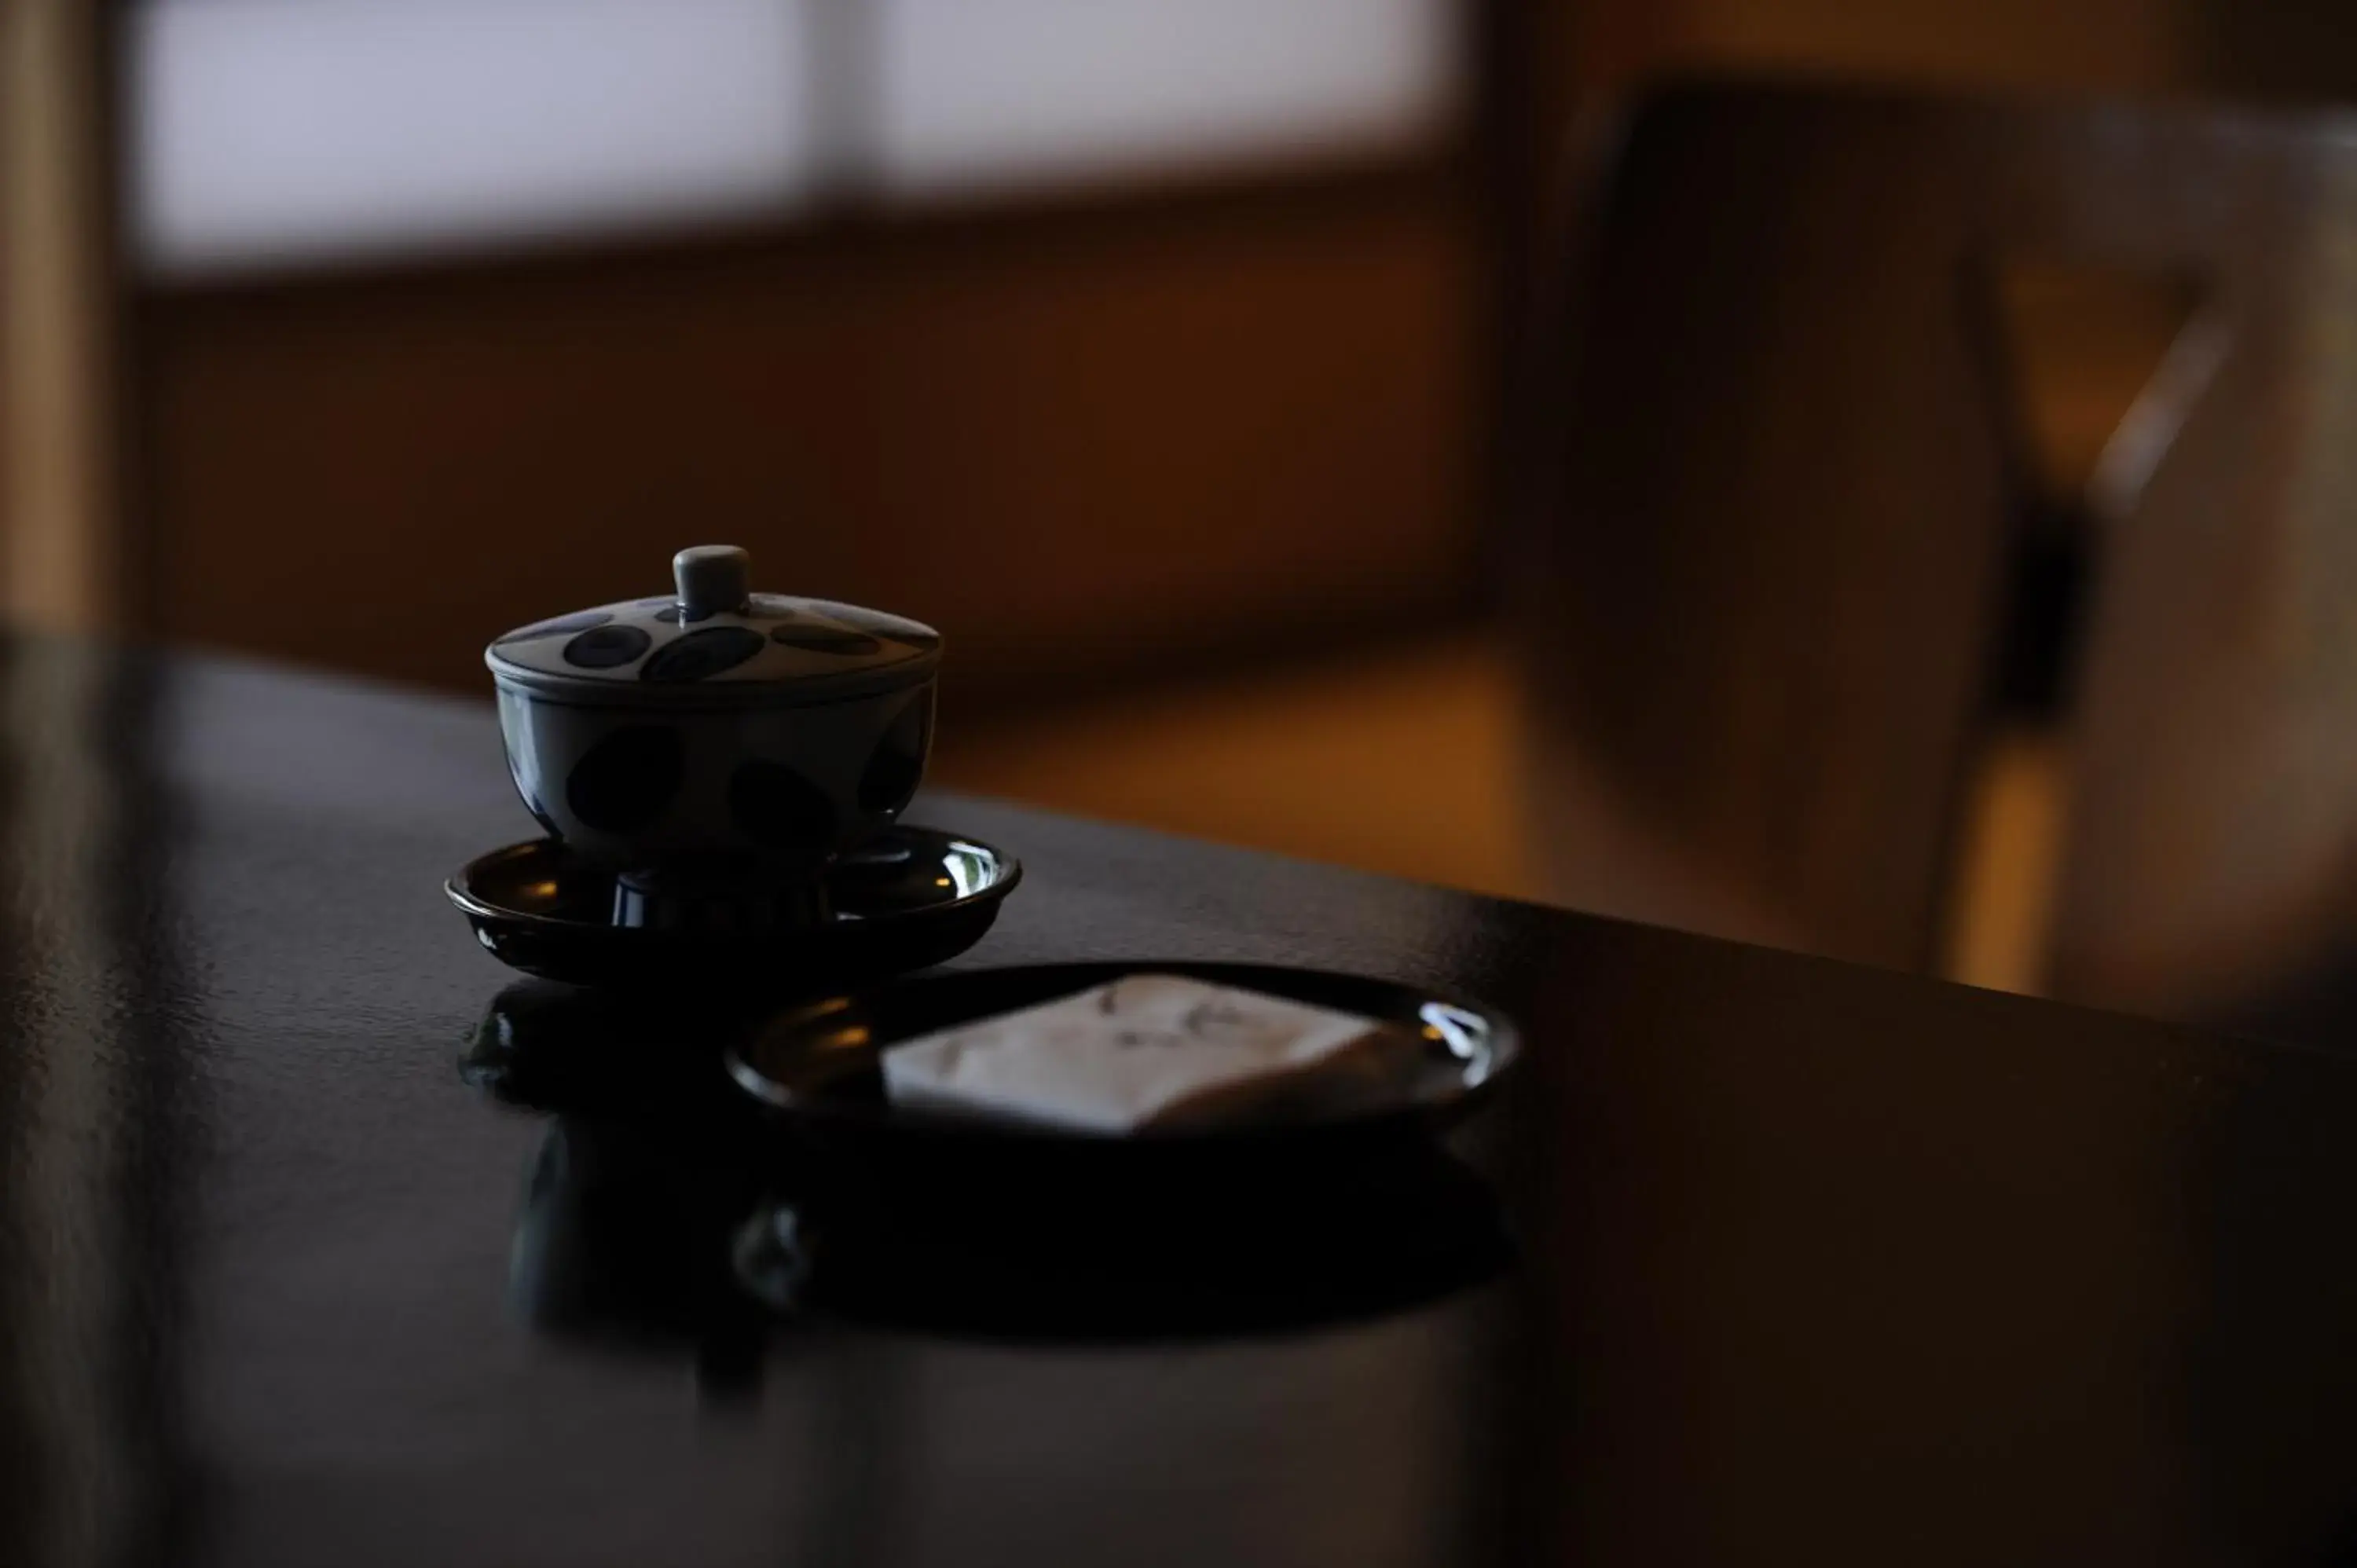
273,130
983,92
280,129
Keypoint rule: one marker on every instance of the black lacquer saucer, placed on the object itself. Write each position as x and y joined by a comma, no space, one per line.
909,898
818,1066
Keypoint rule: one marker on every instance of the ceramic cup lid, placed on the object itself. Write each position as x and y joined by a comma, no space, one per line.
714,638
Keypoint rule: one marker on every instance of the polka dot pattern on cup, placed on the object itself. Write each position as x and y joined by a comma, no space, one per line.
748,642
890,628
701,655
607,647
773,805
899,760
625,781
812,638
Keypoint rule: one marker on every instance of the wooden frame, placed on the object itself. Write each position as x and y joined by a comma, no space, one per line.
68,558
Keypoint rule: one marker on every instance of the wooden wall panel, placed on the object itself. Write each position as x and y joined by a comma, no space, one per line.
1102,443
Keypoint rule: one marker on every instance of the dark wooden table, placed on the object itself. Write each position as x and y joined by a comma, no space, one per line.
1814,1263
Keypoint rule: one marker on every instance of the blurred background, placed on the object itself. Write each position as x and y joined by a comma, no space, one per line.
1186,361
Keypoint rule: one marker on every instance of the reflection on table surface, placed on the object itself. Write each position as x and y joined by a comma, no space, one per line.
1807,1258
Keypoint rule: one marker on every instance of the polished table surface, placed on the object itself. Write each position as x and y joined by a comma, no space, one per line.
1810,1262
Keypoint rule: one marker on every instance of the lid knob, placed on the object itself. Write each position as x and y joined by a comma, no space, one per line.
711,579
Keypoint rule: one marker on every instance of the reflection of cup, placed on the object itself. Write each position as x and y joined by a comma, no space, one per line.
651,1161
623,1243
716,727
652,1058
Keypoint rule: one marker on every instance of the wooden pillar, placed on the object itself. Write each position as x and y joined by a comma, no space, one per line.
62,557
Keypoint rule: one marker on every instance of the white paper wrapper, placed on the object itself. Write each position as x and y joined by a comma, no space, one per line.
1145,1050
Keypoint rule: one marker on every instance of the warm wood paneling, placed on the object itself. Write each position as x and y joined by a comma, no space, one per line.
1094,441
